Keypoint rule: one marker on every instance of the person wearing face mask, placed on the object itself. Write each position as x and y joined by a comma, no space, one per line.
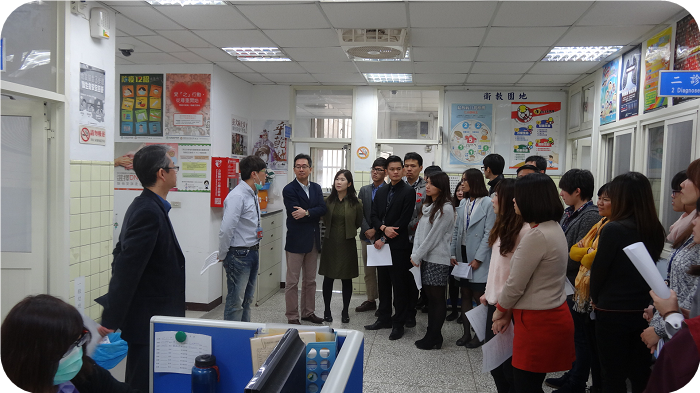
239,238
43,341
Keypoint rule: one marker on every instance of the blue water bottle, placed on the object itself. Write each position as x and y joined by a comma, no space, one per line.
205,374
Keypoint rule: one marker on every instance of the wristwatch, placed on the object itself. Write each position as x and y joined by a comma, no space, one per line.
383,239
307,213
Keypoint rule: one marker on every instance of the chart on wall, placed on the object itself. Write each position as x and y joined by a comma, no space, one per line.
92,105
536,131
608,92
658,57
687,53
239,136
187,106
471,133
141,113
629,82
270,142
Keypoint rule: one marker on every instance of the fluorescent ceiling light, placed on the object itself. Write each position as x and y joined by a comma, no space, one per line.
257,54
580,53
185,2
389,78
405,58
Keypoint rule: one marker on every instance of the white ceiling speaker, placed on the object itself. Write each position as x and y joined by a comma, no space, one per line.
374,43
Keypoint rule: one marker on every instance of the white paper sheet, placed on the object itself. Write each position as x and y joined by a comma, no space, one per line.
211,260
462,270
638,254
477,317
568,288
378,257
171,356
497,350
416,276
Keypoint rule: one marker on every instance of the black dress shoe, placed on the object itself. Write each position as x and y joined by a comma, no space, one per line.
366,306
474,343
378,325
557,383
411,322
464,340
327,316
344,317
294,322
429,342
396,333
459,319
312,318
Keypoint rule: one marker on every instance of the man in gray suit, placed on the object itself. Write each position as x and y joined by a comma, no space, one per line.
367,233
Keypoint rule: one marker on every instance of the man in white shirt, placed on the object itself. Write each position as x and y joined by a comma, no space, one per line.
239,238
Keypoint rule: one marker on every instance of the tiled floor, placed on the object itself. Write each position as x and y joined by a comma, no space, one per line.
396,366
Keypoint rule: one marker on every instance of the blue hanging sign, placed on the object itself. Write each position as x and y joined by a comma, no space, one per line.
2,55
679,83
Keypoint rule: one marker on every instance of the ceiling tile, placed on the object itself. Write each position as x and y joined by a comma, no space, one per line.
234,66
447,37
139,46
254,78
306,38
339,79
604,35
366,15
206,17
162,43
548,79
624,13
316,54
326,66
184,38
451,13
523,36
130,27
275,67
284,16
540,13
494,79
235,38
131,3
439,79
290,78
121,33
513,53
153,58
213,54
500,68
147,16
437,67
120,60
189,57
443,54
382,67
564,67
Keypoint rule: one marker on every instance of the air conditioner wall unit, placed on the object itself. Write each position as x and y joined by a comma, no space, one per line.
377,43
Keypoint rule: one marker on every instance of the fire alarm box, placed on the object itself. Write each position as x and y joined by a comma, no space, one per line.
224,177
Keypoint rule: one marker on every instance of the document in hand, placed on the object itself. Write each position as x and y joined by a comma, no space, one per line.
477,317
211,260
638,254
378,257
497,350
416,276
462,270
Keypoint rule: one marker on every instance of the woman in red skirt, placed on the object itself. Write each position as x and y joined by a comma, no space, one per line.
533,295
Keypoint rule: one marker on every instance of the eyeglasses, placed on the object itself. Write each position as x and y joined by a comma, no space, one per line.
168,168
674,192
377,170
301,167
483,168
84,338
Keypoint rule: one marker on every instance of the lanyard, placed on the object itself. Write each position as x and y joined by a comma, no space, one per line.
670,261
469,215
257,206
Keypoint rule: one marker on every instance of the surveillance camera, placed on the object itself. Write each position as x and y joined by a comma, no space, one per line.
126,49
393,92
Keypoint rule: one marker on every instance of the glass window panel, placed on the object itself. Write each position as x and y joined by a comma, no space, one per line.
610,142
655,159
408,114
16,184
323,114
587,106
327,162
680,137
623,153
575,110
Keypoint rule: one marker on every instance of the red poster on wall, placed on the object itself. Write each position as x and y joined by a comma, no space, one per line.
224,173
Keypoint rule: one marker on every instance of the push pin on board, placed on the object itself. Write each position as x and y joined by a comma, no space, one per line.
181,336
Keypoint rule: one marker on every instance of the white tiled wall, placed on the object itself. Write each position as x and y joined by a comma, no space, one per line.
91,217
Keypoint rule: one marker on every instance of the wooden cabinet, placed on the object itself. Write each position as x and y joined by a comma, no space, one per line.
270,257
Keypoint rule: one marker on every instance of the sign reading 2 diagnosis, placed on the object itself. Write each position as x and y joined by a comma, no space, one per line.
471,137
141,105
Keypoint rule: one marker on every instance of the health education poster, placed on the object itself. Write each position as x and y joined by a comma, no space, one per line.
193,160
92,106
536,131
141,113
629,82
270,142
239,136
471,135
658,57
608,92
687,53
187,106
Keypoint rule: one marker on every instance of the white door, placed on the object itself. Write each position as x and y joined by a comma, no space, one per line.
24,201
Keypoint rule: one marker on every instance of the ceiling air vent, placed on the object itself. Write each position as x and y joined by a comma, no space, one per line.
374,43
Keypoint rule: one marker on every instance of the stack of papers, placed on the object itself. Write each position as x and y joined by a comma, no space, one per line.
462,270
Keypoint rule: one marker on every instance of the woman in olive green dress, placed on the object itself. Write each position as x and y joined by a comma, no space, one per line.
339,251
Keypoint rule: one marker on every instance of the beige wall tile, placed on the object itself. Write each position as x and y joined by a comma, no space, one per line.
75,239
111,174
103,290
104,280
104,203
104,214
104,187
85,190
95,234
71,287
74,221
74,255
74,172
95,204
85,221
75,206
84,253
104,172
95,220
104,264
111,202
75,189
85,172
74,272
84,237
96,173
85,205
95,266
95,250
105,248
85,269
95,188
88,283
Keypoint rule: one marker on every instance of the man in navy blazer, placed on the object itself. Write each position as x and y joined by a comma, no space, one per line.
148,271
305,206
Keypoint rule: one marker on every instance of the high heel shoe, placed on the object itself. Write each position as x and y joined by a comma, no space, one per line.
327,316
344,317
429,342
464,340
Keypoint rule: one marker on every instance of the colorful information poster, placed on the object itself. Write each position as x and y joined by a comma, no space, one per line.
687,49
658,57
471,135
536,131
92,106
141,113
239,136
187,106
608,92
194,167
270,142
629,82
